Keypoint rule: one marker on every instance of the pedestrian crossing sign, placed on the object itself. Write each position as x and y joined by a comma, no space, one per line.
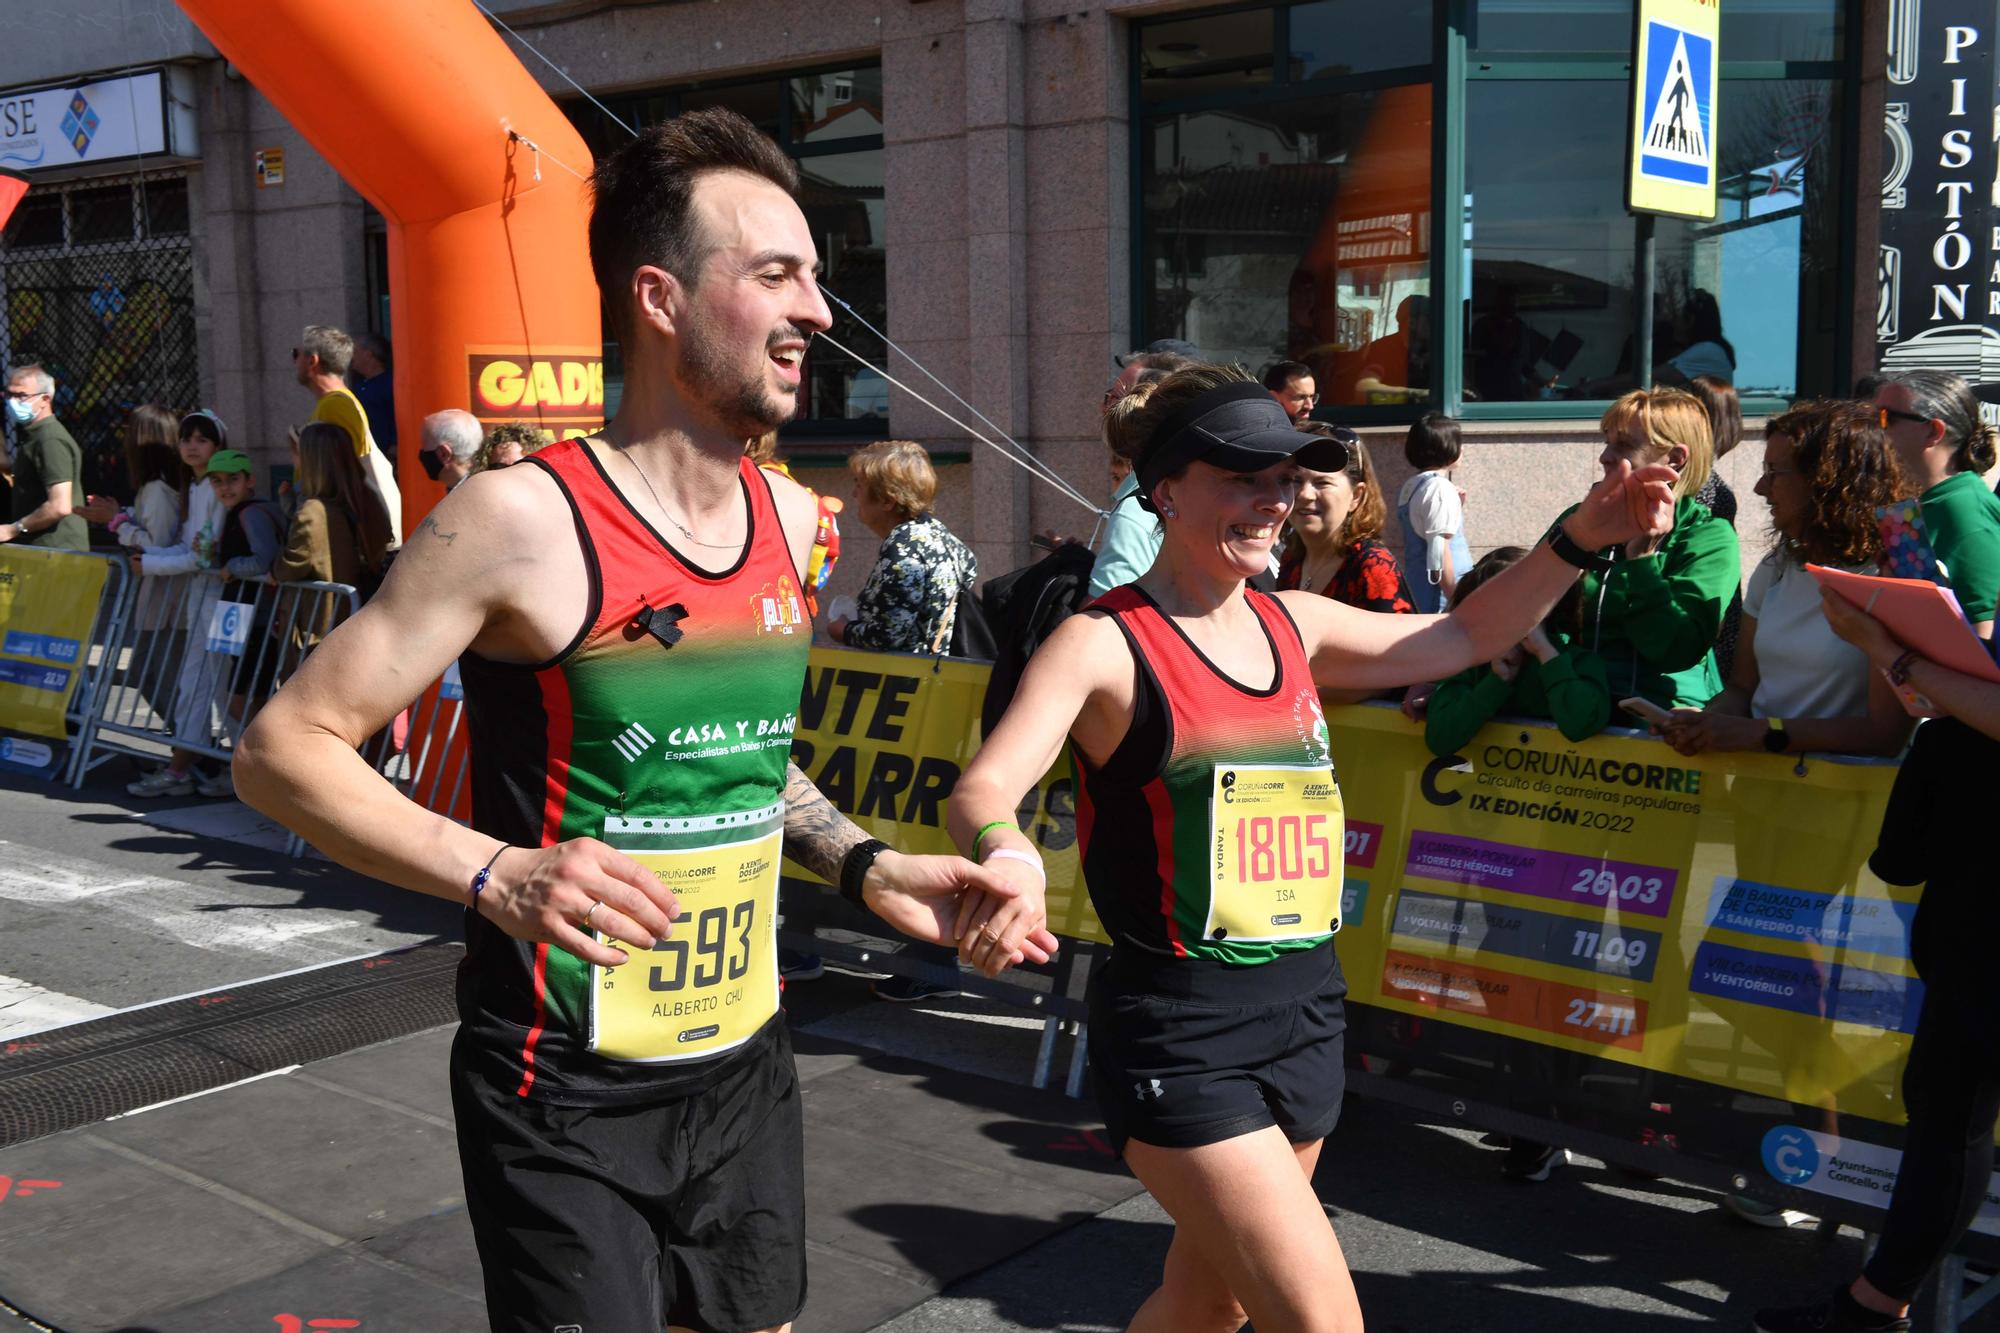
1671,147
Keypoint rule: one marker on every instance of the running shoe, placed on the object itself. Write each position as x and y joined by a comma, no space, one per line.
794,966
166,782
1760,1214
216,784
1532,1163
905,990
1841,1314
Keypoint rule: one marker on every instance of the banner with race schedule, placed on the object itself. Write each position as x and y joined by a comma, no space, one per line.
48,602
1600,934
1708,918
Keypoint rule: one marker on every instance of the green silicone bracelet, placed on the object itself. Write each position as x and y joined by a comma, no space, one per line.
985,829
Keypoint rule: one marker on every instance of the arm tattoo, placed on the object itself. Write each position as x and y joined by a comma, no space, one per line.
817,835
430,525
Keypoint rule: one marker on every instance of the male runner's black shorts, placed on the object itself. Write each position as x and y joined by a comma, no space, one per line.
1188,1052
624,1219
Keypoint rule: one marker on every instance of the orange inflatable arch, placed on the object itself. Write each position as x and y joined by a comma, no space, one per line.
417,106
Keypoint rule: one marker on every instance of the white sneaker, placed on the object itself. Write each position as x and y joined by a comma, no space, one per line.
222,784
166,782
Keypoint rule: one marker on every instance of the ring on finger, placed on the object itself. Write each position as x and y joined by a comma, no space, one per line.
585,923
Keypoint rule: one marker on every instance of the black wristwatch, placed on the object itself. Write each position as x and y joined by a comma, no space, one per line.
1776,739
854,869
1571,554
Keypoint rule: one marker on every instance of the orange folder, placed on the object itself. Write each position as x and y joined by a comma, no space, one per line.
1920,615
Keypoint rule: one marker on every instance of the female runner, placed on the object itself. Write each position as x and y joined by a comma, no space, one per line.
1212,833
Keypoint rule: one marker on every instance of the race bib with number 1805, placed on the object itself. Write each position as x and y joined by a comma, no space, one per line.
713,983
1277,838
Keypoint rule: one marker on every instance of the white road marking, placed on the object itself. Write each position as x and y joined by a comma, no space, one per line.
192,914
27,1008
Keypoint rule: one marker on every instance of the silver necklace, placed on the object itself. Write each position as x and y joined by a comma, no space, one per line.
662,506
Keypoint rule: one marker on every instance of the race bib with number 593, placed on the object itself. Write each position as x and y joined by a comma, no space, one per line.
713,983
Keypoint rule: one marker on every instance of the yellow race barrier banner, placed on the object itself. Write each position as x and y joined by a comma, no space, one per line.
48,602
1549,919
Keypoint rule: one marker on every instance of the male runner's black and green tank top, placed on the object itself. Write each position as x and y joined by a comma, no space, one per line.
673,706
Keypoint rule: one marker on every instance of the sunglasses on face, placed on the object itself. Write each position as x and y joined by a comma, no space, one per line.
1888,414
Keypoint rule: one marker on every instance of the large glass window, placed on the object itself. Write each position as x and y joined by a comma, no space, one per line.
1287,177
830,121
1297,224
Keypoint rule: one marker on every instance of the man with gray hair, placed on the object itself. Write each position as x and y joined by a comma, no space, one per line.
451,443
48,467
375,385
320,363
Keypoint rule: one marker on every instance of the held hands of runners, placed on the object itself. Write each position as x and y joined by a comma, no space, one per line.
546,894
1628,506
994,933
926,896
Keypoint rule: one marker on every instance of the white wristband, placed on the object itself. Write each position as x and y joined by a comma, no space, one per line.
1016,854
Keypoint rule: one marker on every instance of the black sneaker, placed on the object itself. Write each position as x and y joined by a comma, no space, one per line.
904,990
1532,1163
1841,1314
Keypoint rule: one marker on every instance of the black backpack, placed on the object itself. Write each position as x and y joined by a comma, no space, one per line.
1023,607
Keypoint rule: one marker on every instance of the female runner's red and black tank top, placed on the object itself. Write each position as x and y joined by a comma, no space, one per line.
1215,829
665,724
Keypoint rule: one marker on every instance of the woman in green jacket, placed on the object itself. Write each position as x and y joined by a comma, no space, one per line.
1932,419
1544,675
1652,607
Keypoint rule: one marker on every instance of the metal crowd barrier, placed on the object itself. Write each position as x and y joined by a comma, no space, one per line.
192,657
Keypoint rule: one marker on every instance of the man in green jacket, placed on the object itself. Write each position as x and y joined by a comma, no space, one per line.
48,467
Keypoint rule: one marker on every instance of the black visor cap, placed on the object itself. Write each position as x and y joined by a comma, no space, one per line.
1239,428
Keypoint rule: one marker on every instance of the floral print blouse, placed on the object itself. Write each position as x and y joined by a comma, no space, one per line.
913,589
1369,579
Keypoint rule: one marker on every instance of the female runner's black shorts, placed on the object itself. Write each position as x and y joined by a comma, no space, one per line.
1188,1052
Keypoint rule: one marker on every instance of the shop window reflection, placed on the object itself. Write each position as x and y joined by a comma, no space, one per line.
1298,231
1553,249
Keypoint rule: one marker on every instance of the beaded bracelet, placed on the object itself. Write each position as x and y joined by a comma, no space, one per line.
486,871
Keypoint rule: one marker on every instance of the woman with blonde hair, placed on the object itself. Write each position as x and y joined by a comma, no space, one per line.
1652,606
909,601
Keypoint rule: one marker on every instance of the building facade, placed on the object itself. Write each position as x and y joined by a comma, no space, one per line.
1007,193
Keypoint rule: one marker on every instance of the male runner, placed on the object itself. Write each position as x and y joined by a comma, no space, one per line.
628,617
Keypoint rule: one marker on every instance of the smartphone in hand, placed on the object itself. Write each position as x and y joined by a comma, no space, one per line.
1647,709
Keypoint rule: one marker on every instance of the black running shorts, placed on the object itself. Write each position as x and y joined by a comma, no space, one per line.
1187,1052
625,1219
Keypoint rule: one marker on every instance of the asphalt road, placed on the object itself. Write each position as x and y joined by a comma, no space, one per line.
102,909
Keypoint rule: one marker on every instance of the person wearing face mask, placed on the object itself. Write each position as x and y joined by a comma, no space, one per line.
452,439
1209,822
48,467
1652,606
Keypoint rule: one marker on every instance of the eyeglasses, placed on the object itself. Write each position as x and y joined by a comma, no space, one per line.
1771,472
1307,397
1889,413
22,394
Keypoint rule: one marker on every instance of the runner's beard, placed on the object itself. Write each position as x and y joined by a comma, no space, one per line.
742,398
